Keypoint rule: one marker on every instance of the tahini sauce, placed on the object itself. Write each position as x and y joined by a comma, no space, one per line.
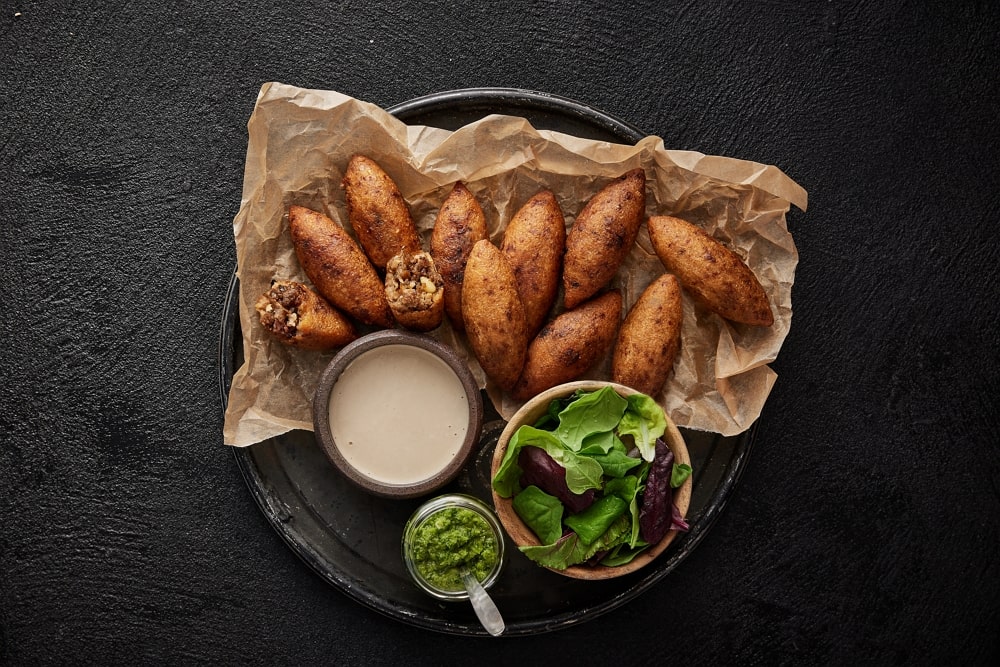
398,414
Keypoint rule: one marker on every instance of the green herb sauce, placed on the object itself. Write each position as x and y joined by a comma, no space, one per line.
452,539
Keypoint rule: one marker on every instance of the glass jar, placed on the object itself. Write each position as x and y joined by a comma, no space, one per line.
449,533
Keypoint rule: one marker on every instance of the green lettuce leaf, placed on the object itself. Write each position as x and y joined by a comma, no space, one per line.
541,512
582,473
615,463
628,489
550,420
679,474
570,550
594,521
602,442
594,412
624,554
645,422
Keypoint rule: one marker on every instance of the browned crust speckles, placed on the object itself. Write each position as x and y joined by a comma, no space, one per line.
602,235
570,344
650,337
460,223
377,211
534,242
494,315
337,267
297,316
711,273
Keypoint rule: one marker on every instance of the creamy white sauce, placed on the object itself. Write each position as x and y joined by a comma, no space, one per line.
398,414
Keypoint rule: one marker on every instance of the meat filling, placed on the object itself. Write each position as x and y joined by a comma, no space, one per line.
412,282
278,309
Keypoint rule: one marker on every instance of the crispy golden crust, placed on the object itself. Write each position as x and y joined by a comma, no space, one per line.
459,225
297,316
533,243
650,337
377,212
494,315
602,235
712,274
570,344
415,291
337,266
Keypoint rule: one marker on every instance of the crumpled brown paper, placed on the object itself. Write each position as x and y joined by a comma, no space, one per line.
299,144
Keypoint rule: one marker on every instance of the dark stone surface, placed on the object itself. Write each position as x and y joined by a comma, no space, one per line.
867,524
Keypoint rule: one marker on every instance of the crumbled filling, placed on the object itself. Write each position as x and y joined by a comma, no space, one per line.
278,309
412,281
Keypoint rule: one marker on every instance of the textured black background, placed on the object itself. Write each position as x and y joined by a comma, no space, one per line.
867,525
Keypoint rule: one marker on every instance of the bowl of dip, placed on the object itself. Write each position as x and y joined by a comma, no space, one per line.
449,533
398,413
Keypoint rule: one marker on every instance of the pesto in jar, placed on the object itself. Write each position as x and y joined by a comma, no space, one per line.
449,540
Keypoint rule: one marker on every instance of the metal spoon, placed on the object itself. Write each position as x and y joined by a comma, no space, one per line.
483,605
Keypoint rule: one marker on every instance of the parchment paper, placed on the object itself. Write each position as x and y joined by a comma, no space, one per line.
299,144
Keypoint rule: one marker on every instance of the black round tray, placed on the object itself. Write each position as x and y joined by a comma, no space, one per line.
352,539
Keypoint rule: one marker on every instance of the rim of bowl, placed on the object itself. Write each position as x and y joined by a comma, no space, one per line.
321,413
432,507
519,532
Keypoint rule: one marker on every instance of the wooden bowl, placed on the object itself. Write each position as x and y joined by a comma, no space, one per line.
519,532
415,389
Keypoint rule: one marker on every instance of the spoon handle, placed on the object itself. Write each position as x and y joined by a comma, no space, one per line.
483,605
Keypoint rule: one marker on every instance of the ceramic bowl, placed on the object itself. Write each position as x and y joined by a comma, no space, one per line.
398,413
519,532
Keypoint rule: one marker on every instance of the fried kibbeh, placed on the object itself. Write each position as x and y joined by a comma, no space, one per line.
494,315
377,212
415,291
299,317
602,236
650,337
711,273
337,267
460,223
570,344
533,243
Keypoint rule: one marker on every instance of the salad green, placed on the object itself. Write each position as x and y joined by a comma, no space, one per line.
583,496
